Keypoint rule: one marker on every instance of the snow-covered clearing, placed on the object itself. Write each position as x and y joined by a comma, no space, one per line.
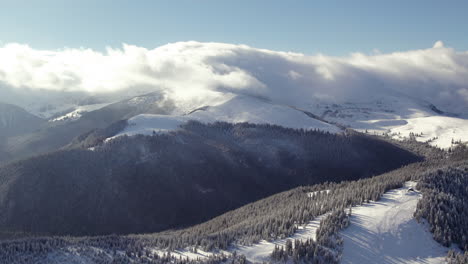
259,253
146,124
256,253
188,253
380,232
386,232
398,116
442,129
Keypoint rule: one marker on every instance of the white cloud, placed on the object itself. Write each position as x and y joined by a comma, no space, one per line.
196,72
438,44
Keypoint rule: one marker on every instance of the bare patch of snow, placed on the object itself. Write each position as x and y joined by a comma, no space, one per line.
188,253
439,130
260,252
147,124
254,110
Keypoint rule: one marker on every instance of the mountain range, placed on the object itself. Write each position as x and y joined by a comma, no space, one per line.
178,137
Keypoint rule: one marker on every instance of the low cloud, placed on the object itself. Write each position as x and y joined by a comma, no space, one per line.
201,72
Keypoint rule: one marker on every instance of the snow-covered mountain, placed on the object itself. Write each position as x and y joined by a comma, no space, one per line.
382,93
238,109
400,117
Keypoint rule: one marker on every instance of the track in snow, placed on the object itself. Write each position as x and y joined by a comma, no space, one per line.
386,232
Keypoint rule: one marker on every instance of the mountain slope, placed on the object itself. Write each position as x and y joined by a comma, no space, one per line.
151,183
15,120
54,135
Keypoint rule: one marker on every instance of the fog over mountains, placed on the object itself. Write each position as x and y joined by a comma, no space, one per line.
377,92
193,73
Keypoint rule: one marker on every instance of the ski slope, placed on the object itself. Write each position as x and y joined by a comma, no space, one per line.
380,232
386,232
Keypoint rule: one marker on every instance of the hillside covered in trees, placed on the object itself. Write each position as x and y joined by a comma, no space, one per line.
152,183
271,218
444,205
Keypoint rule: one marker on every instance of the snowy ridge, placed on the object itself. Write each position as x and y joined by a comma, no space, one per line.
237,110
396,116
147,124
441,131
78,112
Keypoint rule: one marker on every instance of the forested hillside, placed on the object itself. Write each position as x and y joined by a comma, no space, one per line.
152,183
274,217
444,205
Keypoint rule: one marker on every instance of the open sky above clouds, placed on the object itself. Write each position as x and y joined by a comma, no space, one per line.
333,27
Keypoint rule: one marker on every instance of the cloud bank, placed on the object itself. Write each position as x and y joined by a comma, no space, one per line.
196,71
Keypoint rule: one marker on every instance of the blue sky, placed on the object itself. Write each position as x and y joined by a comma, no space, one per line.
329,27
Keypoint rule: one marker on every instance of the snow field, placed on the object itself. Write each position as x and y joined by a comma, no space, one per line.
260,252
385,231
237,110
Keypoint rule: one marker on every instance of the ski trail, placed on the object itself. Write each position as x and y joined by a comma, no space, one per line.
386,232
